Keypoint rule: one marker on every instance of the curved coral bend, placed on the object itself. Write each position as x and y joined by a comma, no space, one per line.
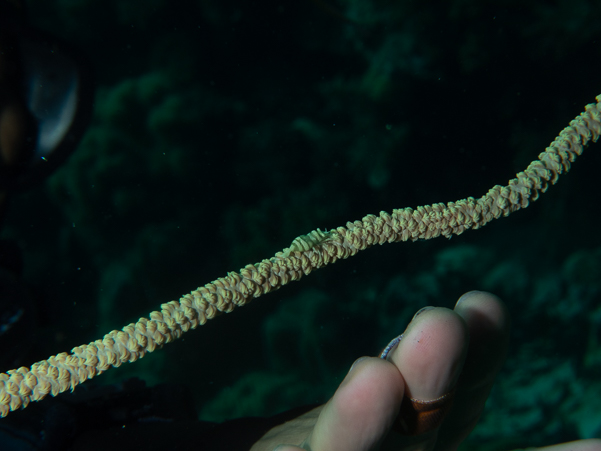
312,251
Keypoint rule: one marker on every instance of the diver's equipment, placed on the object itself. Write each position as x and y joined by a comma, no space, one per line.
46,97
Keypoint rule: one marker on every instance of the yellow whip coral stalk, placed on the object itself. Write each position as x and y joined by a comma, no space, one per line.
308,252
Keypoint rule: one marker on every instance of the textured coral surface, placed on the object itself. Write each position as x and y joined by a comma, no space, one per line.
223,130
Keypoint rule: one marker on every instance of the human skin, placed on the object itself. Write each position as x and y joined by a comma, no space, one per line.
442,350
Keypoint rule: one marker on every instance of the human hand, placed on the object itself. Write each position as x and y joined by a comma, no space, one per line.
454,354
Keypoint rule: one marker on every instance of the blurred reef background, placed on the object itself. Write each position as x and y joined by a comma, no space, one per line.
223,130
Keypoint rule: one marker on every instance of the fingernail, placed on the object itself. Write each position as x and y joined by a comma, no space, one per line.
420,311
349,375
355,364
467,295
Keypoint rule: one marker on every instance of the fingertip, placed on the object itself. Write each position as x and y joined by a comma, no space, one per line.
432,353
355,363
477,296
363,408
465,296
480,308
372,378
593,444
488,323
487,319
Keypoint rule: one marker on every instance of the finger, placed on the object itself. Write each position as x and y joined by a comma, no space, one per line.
488,323
287,436
579,445
362,410
430,357
367,403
